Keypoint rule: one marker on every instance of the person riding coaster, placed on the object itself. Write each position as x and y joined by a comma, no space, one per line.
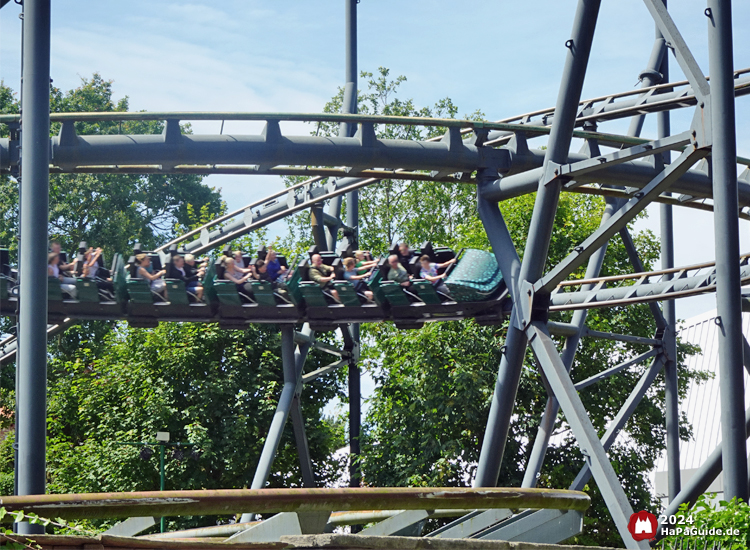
157,283
239,277
323,275
358,281
429,272
189,275
67,285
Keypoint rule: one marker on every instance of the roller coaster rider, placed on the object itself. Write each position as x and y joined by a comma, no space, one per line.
397,272
181,270
323,275
237,276
357,280
157,284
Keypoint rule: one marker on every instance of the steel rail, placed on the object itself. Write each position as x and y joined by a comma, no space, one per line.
237,212
644,293
469,125
644,274
599,99
237,116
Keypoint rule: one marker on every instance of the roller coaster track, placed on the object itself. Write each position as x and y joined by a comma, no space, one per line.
612,291
693,187
315,190
637,288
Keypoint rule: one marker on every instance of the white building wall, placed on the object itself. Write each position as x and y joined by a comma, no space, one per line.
702,403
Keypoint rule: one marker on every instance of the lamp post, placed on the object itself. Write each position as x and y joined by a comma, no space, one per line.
162,441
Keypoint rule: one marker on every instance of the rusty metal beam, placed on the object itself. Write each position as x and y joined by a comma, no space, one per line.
212,502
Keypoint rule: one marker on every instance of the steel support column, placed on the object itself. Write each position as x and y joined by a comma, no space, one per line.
508,376
576,415
318,226
292,364
726,227
349,106
300,438
355,414
669,339
547,424
283,409
32,324
540,231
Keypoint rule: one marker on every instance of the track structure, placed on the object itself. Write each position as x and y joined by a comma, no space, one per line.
694,168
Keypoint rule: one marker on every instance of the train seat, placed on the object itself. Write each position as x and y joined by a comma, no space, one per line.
347,294
86,290
426,291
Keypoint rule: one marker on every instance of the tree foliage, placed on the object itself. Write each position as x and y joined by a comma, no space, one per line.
108,210
109,382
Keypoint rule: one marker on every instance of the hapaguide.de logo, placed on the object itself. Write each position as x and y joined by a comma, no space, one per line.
642,525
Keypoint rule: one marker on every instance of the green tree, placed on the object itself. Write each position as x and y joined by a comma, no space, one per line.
108,210
111,382
206,385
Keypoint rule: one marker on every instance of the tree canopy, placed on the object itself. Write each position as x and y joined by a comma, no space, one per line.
108,210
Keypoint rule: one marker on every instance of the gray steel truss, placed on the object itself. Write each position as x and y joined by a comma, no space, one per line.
631,173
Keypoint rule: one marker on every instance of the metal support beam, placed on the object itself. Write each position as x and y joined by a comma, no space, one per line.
31,392
283,408
300,438
638,359
355,414
669,338
633,207
547,423
622,337
318,226
727,235
322,371
679,47
292,362
635,261
575,414
350,106
508,376
655,147
625,412
540,231
650,76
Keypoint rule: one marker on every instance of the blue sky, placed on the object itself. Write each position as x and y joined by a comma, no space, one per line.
503,57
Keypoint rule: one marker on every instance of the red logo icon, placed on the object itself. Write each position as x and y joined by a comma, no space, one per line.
642,525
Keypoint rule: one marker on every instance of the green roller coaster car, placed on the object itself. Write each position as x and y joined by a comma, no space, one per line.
476,276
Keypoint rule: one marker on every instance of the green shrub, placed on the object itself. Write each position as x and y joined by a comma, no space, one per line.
705,516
